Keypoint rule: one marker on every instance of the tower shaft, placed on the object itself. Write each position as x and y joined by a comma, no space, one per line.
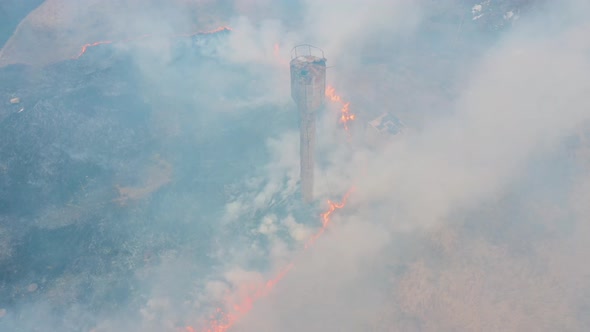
308,88
307,151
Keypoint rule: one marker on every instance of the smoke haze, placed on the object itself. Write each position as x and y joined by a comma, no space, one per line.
475,218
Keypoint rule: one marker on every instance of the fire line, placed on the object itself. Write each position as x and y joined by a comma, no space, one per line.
345,114
85,47
225,319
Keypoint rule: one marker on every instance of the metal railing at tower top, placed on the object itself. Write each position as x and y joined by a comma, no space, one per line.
305,50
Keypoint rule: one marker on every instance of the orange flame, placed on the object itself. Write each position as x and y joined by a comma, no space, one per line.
223,320
326,218
278,57
86,46
345,114
198,33
210,32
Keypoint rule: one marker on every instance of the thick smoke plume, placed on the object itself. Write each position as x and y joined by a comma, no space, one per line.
474,218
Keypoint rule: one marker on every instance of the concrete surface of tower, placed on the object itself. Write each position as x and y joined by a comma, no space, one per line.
308,90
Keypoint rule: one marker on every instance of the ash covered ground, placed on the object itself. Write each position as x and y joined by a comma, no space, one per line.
101,177
153,179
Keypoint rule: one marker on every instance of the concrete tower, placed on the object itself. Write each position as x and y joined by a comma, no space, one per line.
308,89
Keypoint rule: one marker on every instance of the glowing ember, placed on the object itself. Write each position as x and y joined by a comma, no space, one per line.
345,114
198,33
